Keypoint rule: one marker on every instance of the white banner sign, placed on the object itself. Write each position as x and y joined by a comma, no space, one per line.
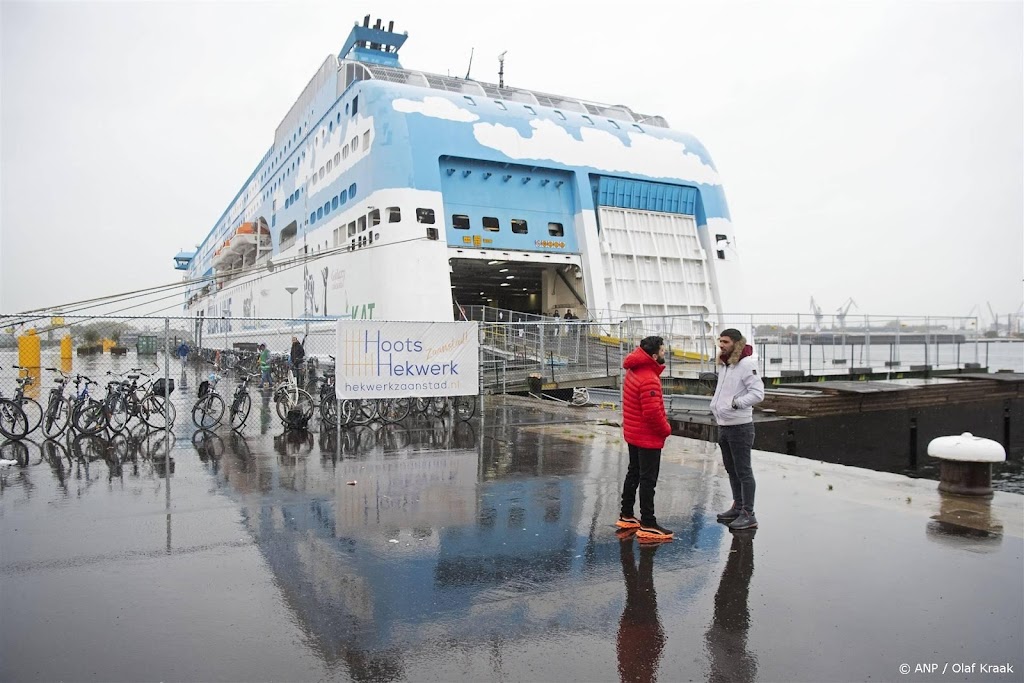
399,360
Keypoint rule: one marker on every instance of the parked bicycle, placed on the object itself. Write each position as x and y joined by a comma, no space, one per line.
294,405
208,411
14,423
241,402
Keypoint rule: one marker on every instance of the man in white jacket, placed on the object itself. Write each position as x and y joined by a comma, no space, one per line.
738,390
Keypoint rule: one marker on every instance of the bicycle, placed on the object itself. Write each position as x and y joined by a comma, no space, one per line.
87,414
58,409
13,421
208,411
33,411
241,402
294,405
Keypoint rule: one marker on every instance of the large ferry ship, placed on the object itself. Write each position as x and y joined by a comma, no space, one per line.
395,194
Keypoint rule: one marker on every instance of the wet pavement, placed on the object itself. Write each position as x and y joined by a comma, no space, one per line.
486,550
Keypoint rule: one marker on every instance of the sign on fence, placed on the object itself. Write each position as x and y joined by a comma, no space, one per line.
400,360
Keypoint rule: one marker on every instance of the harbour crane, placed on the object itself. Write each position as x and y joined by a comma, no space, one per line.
995,318
818,315
843,310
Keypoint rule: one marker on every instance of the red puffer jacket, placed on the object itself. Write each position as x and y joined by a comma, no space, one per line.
644,423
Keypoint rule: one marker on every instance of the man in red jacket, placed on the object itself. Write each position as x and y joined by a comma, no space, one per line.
645,428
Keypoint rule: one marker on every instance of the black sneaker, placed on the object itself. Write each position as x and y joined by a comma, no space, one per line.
746,520
653,532
627,522
729,515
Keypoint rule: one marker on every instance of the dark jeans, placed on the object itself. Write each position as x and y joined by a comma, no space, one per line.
736,442
644,465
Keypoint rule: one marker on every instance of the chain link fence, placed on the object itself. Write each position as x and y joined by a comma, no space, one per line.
83,361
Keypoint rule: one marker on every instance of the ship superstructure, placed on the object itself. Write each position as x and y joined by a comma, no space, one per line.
395,194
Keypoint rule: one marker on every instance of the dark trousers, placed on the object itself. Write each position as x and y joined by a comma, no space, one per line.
736,442
644,465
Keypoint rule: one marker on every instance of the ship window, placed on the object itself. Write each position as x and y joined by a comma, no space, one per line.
334,203
425,216
366,139
287,202
560,115
491,224
613,123
555,229
327,208
588,119
501,105
337,158
355,105
330,126
375,218
312,217
371,237
394,214
519,226
460,221
320,176
288,234
529,109
351,228
320,213
354,144
470,100
330,165
361,223
344,196
352,191
719,239
344,152
346,109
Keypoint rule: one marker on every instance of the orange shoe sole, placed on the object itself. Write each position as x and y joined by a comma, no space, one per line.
647,535
622,524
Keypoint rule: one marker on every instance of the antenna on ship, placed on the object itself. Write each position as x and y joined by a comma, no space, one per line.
468,68
501,69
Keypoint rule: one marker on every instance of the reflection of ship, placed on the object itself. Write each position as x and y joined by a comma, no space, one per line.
485,194
472,530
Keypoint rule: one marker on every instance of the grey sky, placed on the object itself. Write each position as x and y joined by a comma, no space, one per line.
873,151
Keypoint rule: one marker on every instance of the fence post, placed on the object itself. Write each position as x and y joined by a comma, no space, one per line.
541,354
799,341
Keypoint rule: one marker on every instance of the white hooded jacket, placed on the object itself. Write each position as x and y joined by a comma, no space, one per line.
739,388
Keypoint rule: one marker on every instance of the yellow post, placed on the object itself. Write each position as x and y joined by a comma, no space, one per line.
65,347
28,350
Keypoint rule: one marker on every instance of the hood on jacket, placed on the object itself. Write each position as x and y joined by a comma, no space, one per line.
739,350
639,359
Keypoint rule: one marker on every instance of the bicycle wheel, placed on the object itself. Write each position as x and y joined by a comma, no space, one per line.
33,412
13,423
208,411
329,411
240,411
364,410
117,413
56,418
152,412
465,407
394,409
437,406
89,418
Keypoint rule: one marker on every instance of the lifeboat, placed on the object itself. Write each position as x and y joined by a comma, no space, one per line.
243,246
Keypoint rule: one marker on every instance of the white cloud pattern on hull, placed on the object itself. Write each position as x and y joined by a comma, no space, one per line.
435,107
645,155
